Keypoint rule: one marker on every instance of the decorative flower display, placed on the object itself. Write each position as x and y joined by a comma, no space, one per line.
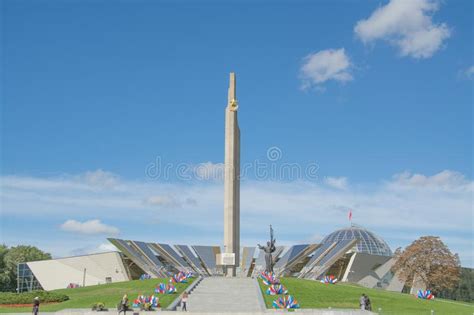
145,276
180,277
425,295
329,280
276,289
143,299
165,289
285,302
269,278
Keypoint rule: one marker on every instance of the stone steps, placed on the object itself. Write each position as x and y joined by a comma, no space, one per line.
217,295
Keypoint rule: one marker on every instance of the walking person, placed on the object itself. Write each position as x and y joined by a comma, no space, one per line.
36,305
184,300
123,305
368,304
362,301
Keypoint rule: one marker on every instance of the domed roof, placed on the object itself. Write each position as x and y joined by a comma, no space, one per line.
368,242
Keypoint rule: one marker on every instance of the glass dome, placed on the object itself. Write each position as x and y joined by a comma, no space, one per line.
368,242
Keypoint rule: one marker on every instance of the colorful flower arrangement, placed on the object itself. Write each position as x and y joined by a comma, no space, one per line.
286,302
329,280
276,289
145,276
165,289
181,277
269,278
425,295
142,300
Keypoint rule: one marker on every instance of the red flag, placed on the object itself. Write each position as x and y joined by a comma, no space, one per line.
350,214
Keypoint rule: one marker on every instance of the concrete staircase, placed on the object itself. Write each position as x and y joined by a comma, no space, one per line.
219,295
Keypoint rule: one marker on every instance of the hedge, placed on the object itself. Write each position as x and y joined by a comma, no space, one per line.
28,297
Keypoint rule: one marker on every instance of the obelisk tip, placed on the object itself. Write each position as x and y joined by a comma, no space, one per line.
232,98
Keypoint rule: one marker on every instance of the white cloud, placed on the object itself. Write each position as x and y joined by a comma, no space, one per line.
446,180
441,201
90,180
89,227
209,171
170,201
99,178
406,24
163,201
105,247
191,201
90,249
325,65
337,182
469,73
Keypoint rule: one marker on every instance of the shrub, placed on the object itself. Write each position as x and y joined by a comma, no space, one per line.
27,297
99,306
146,307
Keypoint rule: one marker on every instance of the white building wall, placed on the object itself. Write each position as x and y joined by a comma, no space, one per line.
59,273
396,284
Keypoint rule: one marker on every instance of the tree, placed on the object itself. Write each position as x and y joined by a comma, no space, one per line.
11,258
429,260
4,278
3,251
464,291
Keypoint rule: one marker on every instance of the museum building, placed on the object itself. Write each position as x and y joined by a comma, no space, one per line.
353,254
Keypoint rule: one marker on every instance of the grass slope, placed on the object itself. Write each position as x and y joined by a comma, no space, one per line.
110,294
313,294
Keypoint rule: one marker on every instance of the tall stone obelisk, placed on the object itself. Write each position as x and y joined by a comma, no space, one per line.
232,180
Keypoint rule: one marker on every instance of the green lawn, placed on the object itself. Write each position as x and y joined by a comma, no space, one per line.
313,294
110,294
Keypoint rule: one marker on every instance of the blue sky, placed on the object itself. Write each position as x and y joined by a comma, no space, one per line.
377,94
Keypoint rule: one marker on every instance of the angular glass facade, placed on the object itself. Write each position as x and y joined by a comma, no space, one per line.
192,259
290,255
26,279
207,254
368,242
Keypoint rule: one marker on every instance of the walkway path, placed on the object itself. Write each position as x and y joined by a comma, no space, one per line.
218,294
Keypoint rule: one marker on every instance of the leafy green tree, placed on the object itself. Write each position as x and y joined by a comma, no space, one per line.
3,251
4,278
464,291
11,257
